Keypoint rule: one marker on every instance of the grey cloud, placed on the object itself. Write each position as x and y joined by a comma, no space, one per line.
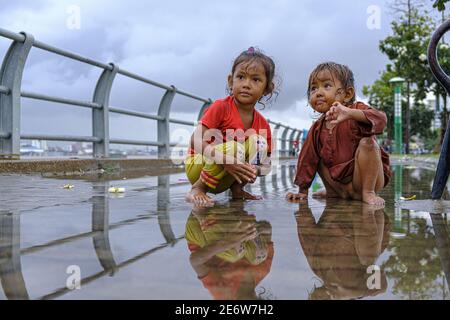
192,44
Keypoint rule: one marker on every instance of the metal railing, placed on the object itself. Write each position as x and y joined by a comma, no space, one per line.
11,94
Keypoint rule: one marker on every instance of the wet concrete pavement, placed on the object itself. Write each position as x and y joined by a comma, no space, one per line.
147,243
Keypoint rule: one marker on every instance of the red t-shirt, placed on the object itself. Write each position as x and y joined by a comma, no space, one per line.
224,116
225,278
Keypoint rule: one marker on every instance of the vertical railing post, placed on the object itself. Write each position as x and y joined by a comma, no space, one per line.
203,109
297,138
11,77
100,117
283,140
291,141
275,140
164,124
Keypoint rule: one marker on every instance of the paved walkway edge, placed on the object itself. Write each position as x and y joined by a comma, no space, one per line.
77,166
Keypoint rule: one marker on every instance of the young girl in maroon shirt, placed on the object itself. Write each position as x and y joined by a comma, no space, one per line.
341,144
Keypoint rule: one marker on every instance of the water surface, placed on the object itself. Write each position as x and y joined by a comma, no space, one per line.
149,244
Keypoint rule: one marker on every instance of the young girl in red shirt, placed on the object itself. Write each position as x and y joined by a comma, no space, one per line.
341,144
232,144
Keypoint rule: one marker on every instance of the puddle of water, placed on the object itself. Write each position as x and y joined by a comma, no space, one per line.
149,244
430,206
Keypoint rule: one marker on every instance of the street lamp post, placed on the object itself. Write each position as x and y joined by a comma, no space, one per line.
398,135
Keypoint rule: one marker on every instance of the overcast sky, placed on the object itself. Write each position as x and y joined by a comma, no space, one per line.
189,44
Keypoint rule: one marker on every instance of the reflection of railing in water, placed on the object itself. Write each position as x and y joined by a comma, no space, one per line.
100,222
443,169
10,266
287,179
10,252
163,210
100,274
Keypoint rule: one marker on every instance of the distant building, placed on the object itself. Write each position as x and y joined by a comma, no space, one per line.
28,149
436,106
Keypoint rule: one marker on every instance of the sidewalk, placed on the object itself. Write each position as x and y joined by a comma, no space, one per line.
79,167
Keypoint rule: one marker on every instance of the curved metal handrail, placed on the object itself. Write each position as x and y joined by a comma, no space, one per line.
433,61
443,168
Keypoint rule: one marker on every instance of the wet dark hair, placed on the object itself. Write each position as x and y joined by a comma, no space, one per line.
340,71
251,55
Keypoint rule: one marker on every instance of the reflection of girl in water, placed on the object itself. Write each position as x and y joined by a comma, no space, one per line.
341,246
231,252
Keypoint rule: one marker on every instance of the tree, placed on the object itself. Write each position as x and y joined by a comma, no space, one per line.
407,48
381,95
440,4
422,118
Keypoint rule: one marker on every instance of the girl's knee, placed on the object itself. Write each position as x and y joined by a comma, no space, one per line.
193,166
368,144
233,149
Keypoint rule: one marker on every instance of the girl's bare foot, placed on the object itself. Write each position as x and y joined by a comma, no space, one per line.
198,196
370,197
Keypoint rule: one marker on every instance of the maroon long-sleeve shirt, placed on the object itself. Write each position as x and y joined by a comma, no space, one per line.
337,149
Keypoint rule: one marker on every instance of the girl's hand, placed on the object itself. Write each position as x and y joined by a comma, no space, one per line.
244,232
243,172
337,113
257,169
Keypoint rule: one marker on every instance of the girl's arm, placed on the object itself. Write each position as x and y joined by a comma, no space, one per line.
358,115
308,162
372,121
339,113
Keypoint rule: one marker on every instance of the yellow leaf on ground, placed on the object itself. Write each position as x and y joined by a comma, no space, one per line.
116,190
408,198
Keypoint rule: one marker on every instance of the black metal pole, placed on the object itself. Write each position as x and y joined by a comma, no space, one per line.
443,168
442,242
